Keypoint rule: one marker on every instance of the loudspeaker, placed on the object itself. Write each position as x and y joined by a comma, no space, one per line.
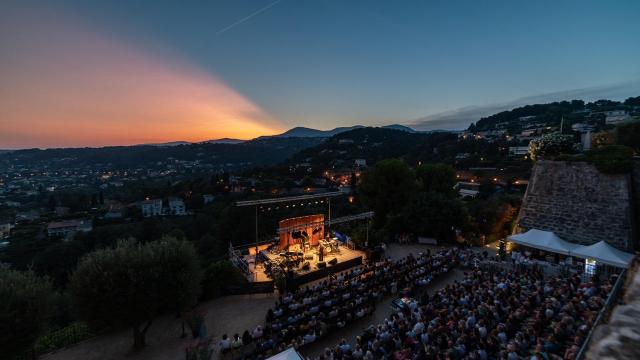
333,261
321,265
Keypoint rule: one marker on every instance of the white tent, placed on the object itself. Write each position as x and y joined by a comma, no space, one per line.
544,240
604,253
289,354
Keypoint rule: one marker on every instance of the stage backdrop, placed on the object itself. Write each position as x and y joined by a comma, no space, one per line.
312,224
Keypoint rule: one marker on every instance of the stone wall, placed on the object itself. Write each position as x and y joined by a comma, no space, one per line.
619,339
579,204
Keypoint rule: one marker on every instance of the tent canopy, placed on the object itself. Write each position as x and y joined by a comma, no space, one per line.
544,240
289,354
604,253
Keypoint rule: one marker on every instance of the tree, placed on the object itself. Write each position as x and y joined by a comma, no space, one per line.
492,217
131,284
551,145
612,159
387,188
218,276
434,214
439,178
629,135
307,181
632,101
25,304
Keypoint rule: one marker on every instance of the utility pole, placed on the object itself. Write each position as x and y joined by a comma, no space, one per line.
329,223
256,230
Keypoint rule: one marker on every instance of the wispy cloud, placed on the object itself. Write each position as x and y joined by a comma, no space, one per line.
461,118
248,17
64,84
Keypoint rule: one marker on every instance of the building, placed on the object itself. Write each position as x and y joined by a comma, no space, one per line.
518,150
67,229
151,207
582,127
361,162
61,210
467,190
208,198
527,118
177,207
113,214
580,204
27,216
14,204
616,117
5,229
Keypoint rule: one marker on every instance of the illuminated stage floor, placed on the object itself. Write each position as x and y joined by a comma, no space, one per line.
344,257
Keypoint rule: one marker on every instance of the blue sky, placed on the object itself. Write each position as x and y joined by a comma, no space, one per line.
330,63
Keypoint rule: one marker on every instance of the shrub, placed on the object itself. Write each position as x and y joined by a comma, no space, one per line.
218,276
25,304
551,145
612,159
61,338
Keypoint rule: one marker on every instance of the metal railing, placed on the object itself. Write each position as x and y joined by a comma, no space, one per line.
604,313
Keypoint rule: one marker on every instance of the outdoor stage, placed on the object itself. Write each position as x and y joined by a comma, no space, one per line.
305,249
338,260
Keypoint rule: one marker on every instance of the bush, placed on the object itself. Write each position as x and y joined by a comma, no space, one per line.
25,304
551,145
218,276
629,135
61,338
612,159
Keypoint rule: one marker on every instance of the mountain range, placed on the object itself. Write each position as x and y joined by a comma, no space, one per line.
297,132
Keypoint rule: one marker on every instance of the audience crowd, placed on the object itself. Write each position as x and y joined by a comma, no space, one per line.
311,312
488,315
507,314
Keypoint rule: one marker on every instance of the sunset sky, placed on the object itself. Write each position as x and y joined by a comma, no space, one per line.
94,73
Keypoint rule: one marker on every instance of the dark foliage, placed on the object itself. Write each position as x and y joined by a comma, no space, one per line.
612,159
25,304
131,284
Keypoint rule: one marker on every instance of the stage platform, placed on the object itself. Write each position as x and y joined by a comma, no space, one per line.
345,258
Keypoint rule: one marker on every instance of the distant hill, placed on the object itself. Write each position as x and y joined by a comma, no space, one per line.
214,141
550,114
223,141
369,143
399,127
308,132
171,143
261,152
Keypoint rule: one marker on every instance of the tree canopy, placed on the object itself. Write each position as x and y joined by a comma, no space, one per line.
387,188
437,178
25,304
129,285
551,145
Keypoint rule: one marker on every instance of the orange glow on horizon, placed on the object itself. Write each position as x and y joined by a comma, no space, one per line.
64,85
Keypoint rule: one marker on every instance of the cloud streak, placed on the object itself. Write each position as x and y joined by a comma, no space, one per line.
248,17
64,84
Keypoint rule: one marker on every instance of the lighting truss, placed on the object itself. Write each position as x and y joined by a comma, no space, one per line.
340,220
288,199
